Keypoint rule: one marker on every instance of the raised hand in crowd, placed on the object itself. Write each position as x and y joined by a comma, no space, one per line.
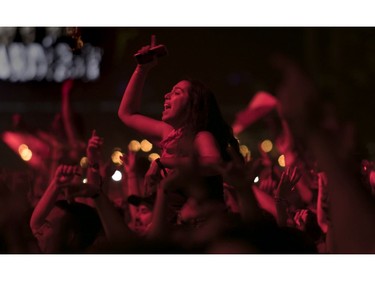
287,183
64,175
351,208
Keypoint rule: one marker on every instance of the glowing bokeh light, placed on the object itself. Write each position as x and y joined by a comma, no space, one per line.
281,160
244,150
84,162
22,147
146,146
116,157
84,180
134,145
26,154
256,179
266,145
117,176
153,156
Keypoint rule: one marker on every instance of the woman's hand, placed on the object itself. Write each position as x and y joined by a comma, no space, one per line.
144,51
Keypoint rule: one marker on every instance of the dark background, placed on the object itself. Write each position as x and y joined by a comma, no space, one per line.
234,62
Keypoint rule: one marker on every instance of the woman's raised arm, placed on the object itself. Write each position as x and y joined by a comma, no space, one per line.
131,102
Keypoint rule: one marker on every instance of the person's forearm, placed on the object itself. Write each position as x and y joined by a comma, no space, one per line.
304,191
133,188
131,100
159,217
114,227
94,177
320,213
282,214
132,184
265,201
248,205
68,121
44,206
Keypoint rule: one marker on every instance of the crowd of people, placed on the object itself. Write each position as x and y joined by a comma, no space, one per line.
203,195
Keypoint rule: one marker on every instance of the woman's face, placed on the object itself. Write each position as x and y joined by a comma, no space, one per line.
175,104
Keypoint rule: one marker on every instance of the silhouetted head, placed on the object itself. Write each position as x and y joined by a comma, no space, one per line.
69,228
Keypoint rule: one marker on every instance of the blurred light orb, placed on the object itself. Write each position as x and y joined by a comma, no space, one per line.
244,150
266,146
84,162
116,157
117,176
146,146
281,160
134,145
26,154
22,147
153,156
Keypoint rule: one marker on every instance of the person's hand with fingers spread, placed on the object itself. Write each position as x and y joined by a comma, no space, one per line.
300,218
288,180
240,175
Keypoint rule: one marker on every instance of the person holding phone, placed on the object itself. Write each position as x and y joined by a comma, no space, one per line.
191,124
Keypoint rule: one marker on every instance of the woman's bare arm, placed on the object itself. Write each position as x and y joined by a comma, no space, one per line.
129,110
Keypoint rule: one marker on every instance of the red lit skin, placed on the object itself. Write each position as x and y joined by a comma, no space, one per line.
45,210
189,210
173,117
51,236
231,201
114,228
322,217
142,220
75,143
175,103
